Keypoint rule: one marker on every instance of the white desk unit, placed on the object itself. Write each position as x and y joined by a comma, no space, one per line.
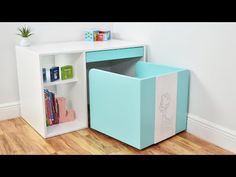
83,56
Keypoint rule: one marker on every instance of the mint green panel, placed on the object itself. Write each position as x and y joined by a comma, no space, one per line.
115,105
144,69
147,109
114,54
123,107
182,100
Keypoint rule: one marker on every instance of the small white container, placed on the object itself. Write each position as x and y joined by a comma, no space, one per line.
24,42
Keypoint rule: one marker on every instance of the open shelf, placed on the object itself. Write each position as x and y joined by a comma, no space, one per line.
62,128
72,90
46,84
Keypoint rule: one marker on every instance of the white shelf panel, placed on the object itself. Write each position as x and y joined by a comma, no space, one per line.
65,127
59,82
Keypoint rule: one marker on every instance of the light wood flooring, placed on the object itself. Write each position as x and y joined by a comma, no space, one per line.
18,137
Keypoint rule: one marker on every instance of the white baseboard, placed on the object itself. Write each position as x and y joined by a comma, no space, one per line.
212,132
9,110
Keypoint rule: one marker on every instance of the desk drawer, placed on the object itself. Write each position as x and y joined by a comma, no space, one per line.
114,54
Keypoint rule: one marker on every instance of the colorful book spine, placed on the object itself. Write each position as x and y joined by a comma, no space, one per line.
47,108
53,108
57,111
49,113
46,102
50,107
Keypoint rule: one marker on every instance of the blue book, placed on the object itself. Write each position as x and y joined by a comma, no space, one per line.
48,120
50,105
54,74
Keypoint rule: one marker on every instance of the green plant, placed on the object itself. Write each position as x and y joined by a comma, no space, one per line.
24,31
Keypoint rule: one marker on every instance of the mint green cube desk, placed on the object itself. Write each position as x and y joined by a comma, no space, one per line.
141,110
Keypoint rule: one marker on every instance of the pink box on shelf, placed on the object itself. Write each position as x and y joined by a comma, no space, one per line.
70,115
62,109
64,114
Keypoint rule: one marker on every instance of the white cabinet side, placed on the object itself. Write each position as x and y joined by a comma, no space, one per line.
30,89
81,92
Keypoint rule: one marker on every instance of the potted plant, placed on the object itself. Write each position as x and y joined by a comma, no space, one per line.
25,32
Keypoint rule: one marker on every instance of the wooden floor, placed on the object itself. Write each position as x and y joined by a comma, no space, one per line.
17,137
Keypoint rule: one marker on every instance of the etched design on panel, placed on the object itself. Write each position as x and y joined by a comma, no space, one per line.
166,95
164,110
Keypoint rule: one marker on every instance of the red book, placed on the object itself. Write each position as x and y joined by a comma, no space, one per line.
57,111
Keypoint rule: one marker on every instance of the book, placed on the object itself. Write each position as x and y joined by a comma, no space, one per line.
54,74
44,75
47,108
67,72
54,108
50,107
57,111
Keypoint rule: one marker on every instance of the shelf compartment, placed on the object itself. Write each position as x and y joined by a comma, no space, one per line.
62,128
73,90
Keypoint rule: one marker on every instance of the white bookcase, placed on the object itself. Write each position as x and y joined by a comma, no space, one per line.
32,87
31,60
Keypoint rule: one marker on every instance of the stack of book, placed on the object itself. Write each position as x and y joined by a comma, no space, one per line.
55,109
53,74
51,108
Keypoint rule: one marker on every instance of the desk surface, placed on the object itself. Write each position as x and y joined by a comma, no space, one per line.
78,46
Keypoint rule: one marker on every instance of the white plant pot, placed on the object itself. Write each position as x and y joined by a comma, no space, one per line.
24,42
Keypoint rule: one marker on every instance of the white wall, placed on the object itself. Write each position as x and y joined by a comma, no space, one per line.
208,50
44,32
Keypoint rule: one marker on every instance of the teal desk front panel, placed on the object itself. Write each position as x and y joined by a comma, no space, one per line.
122,107
114,54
